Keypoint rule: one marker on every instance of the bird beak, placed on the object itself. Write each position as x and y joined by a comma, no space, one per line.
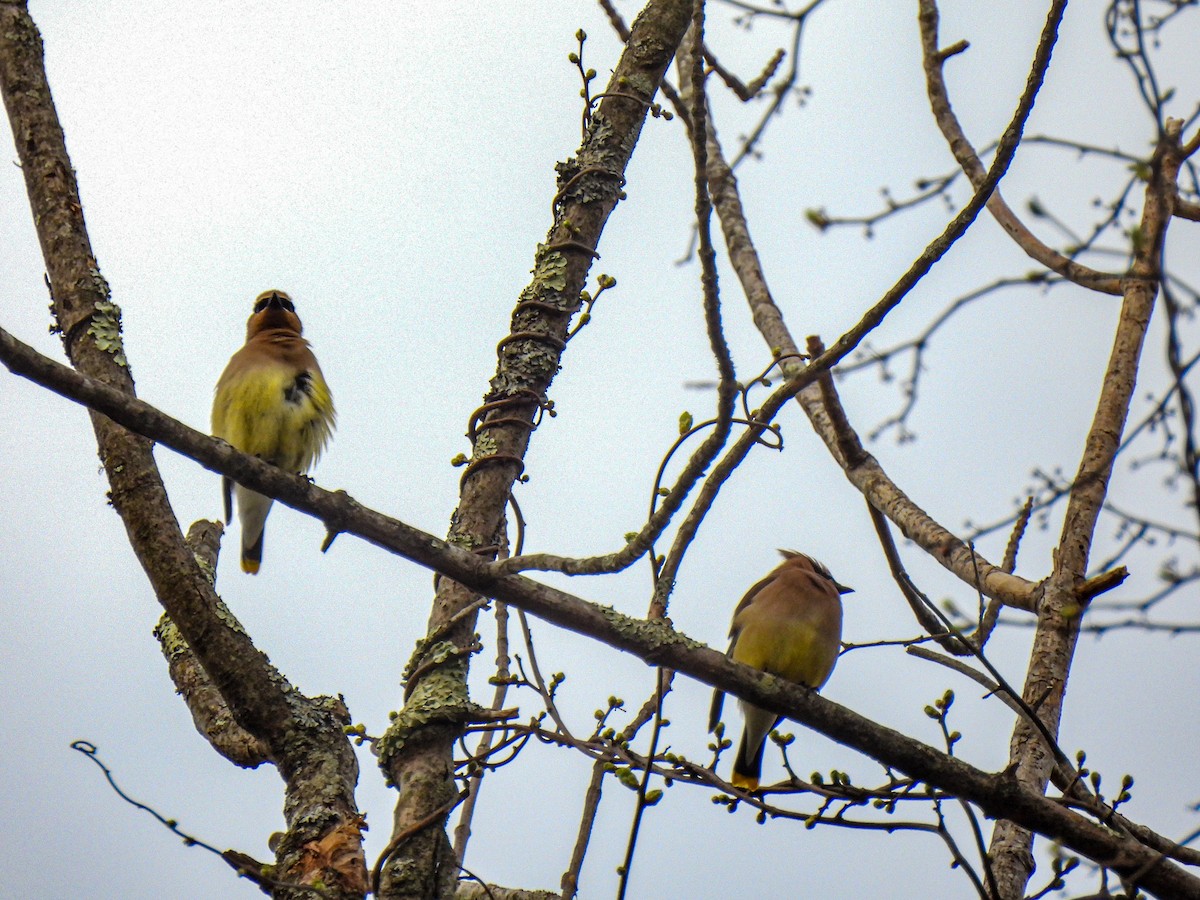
274,301
842,589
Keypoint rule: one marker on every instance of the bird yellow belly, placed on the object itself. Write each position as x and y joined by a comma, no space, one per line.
257,416
797,651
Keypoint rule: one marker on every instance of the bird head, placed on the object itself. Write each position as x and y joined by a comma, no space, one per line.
273,309
818,567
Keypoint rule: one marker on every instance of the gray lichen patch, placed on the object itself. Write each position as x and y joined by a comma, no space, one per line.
207,569
549,273
228,619
105,330
641,83
485,445
437,654
439,698
169,638
654,633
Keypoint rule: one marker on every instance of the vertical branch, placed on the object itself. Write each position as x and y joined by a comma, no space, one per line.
416,752
991,613
302,735
1189,463
1062,606
462,832
694,94
587,820
691,66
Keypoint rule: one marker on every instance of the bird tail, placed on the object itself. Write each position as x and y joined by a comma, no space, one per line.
252,512
747,768
227,489
746,772
714,711
718,700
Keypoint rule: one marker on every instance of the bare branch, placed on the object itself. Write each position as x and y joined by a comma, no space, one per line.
417,749
1060,614
303,735
868,476
961,147
210,712
655,642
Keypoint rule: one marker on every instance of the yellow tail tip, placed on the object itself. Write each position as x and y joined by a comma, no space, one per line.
250,566
745,782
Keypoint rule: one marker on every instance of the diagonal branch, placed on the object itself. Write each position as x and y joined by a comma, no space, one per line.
866,474
1061,612
948,122
416,751
301,734
654,641
210,712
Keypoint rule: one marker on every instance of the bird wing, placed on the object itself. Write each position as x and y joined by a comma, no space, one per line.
718,700
227,488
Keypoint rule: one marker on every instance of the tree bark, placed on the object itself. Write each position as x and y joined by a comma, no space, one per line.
303,736
416,751
655,642
1063,606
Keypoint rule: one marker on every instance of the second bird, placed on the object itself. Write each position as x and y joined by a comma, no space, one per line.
789,624
272,402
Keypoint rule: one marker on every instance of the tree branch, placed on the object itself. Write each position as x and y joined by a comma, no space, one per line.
416,751
867,475
302,735
1062,608
948,122
655,642
210,712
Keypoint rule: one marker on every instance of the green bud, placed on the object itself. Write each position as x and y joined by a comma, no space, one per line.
818,218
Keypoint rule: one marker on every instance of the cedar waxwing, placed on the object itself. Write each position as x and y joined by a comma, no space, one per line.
789,624
271,401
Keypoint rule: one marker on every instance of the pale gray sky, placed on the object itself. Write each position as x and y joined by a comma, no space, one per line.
391,165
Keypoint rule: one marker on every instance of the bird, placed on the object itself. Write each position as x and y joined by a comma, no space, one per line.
272,402
788,624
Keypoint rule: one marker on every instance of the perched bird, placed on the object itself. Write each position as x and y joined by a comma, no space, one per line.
789,624
271,401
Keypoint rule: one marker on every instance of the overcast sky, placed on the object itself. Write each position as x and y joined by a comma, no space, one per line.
391,166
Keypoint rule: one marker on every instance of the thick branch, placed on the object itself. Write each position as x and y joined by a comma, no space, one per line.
1062,607
298,731
417,750
655,642
210,712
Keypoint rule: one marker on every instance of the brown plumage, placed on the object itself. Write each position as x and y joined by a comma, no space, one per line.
271,401
788,624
